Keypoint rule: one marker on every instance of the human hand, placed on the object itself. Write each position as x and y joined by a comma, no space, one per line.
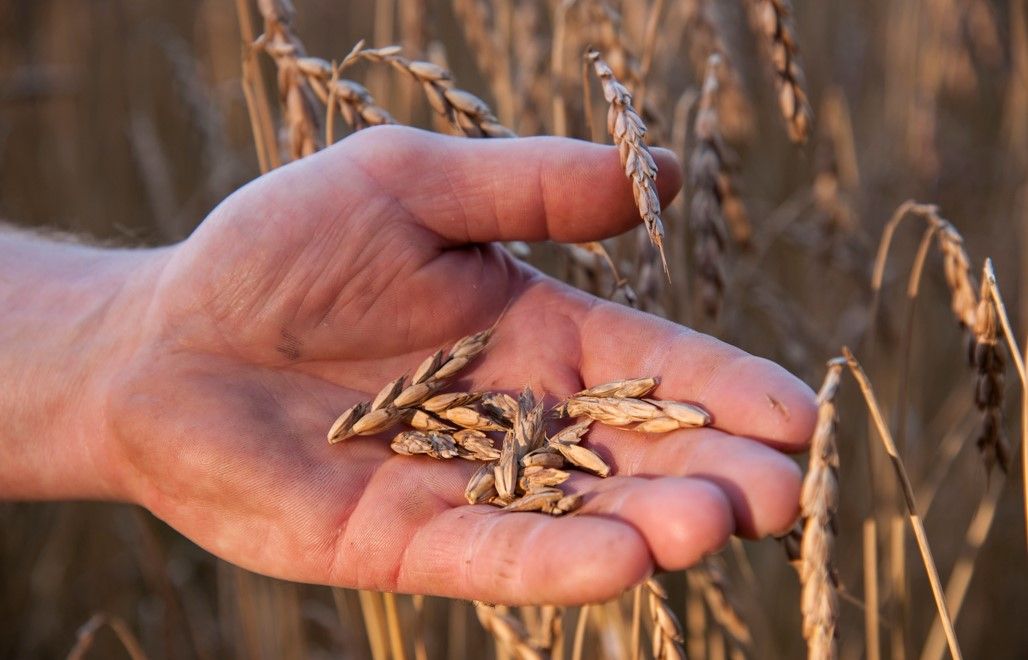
307,290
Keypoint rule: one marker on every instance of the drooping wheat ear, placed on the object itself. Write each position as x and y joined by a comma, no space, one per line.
988,360
772,18
667,630
957,268
628,130
956,264
353,102
510,634
716,592
711,189
818,500
467,113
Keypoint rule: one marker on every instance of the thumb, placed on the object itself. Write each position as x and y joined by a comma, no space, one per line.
527,189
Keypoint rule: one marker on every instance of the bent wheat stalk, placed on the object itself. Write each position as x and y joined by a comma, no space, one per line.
908,495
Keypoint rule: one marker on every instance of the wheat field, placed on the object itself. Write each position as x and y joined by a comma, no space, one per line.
855,208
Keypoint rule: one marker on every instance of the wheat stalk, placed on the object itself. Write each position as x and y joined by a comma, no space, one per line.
628,130
86,635
818,501
772,18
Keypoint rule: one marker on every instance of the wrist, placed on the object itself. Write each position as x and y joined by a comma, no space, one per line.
74,314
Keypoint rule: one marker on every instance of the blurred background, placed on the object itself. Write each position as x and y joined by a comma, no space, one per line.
124,120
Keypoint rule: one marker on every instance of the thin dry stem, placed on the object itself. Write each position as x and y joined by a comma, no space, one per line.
636,622
255,94
87,634
374,623
908,495
580,626
872,643
396,645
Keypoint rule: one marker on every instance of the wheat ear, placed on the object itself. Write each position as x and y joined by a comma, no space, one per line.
667,630
818,501
712,193
300,78
987,357
466,112
628,130
772,18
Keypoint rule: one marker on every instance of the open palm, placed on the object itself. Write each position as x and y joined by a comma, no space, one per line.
310,288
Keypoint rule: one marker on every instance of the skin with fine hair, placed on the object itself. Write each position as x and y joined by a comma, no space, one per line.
198,380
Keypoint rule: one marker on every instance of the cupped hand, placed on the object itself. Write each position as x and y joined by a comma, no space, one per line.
308,289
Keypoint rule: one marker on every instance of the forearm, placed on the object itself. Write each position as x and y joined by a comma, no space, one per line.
68,317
